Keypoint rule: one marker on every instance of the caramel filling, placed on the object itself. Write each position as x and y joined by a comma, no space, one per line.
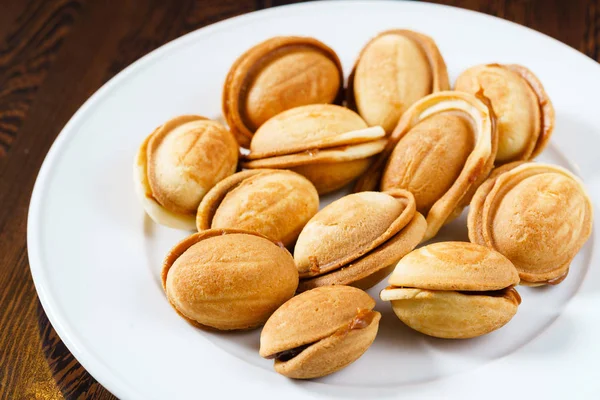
362,320
314,265
287,355
509,293
558,280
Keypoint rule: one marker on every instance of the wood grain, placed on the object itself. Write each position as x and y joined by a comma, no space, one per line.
53,56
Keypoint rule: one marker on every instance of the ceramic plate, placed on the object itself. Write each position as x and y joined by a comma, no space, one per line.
96,258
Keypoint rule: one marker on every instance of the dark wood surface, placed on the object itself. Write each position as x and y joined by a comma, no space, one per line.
53,55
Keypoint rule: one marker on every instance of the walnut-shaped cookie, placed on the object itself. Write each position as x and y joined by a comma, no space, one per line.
357,239
328,144
523,109
538,215
275,203
454,290
178,164
228,279
393,71
441,150
320,331
278,74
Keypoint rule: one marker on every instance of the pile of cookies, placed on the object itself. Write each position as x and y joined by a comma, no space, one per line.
418,152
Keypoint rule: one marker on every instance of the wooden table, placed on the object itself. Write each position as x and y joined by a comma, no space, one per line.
53,55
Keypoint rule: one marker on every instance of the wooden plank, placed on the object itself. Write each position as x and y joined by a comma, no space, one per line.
28,50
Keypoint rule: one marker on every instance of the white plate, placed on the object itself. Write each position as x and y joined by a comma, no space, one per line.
95,257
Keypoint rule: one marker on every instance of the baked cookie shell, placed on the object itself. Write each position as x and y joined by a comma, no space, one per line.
370,269
178,163
439,147
228,279
454,315
312,316
320,331
350,227
275,203
477,166
454,266
538,215
524,110
332,353
328,144
394,70
316,126
278,74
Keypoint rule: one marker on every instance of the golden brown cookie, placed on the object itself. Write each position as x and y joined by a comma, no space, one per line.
454,290
355,239
393,71
278,74
537,215
441,150
320,331
329,144
275,203
228,279
524,110
178,164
